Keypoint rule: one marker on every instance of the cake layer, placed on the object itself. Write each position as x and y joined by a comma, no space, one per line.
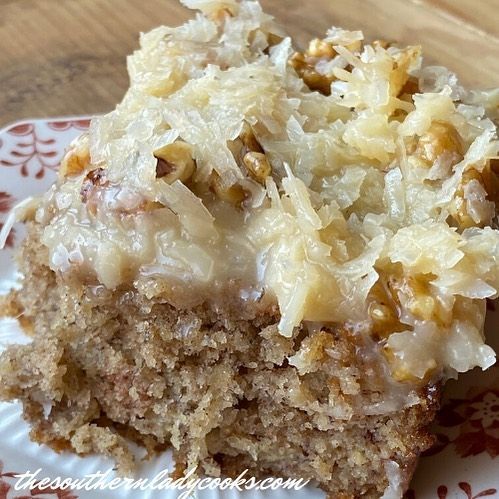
215,385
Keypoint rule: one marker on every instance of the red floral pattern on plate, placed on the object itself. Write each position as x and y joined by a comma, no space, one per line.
6,202
477,420
30,152
61,125
442,492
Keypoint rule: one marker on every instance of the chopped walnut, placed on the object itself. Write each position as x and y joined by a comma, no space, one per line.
417,289
400,80
274,39
175,162
221,14
383,311
488,180
250,153
304,64
249,140
440,139
420,301
410,87
415,292
164,168
382,43
94,180
75,161
401,374
234,194
320,49
384,319
257,165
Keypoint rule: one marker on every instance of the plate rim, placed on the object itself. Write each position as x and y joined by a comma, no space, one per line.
46,119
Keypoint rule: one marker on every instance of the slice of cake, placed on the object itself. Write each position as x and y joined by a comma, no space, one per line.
264,259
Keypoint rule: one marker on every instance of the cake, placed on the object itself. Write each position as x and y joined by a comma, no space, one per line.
264,258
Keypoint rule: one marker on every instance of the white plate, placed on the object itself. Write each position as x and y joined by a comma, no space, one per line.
465,464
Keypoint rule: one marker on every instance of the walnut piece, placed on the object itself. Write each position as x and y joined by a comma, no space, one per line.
234,194
304,63
175,162
95,180
257,165
76,159
441,138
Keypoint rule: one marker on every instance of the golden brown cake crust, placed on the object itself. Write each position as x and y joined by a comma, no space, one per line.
217,387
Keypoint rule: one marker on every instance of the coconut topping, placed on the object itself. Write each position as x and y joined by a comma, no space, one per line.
344,184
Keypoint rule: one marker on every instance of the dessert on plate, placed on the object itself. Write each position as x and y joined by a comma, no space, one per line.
264,258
